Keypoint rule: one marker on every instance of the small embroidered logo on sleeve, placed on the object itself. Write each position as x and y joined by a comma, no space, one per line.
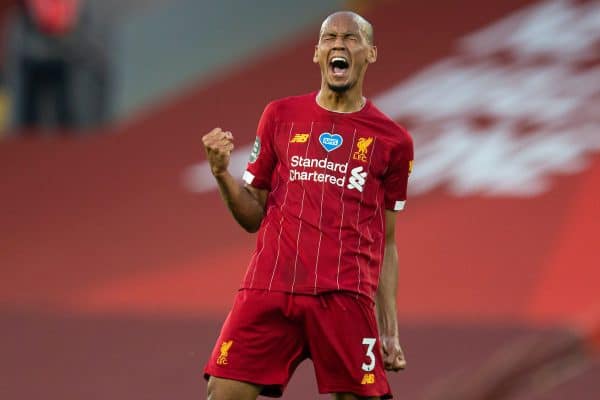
255,150
225,346
248,177
399,205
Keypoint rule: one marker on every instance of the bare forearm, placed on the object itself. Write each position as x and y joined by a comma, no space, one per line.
245,208
246,204
393,356
387,292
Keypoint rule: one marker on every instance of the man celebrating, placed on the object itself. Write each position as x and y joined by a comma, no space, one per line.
327,173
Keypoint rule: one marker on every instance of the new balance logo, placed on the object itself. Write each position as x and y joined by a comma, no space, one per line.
357,179
368,379
300,138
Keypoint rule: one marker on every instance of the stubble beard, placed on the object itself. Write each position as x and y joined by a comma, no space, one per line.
340,88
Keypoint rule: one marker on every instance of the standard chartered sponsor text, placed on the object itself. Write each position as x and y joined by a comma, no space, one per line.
299,161
321,177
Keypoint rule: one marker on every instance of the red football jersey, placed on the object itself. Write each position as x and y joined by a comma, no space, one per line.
330,176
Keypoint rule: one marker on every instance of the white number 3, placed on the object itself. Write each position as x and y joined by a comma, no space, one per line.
370,342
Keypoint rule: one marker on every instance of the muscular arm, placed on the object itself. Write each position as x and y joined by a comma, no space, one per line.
246,203
393,357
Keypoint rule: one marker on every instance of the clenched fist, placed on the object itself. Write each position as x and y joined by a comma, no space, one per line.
393,356
218,145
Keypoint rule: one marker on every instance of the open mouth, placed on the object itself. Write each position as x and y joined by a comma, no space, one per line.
339,66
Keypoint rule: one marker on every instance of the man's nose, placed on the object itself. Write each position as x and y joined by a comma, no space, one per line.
339,42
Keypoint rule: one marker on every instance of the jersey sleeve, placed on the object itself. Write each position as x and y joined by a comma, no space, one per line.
261,163
395,181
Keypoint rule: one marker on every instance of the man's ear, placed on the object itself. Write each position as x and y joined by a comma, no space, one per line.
372,54
316,55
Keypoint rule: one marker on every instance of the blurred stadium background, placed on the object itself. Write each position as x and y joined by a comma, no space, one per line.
118,261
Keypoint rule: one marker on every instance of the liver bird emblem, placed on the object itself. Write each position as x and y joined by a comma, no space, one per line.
363,145
225,348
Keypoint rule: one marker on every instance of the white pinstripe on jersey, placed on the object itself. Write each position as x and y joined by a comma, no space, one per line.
381,244
377,210
287,186
337,278
300,216
257,258
320,218
358,217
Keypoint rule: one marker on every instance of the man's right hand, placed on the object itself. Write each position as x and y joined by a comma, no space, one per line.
218,145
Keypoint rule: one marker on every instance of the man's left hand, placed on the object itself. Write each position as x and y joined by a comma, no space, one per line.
393,356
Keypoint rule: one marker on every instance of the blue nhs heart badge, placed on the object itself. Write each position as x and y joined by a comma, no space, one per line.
330,141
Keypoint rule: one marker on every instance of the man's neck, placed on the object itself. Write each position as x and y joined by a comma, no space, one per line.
346,102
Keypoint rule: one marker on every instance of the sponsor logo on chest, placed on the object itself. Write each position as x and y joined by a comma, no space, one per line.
330,141
325,170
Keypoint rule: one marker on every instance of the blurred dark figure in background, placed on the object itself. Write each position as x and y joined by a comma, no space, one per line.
55,65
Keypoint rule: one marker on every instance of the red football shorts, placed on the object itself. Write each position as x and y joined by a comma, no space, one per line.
267,334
